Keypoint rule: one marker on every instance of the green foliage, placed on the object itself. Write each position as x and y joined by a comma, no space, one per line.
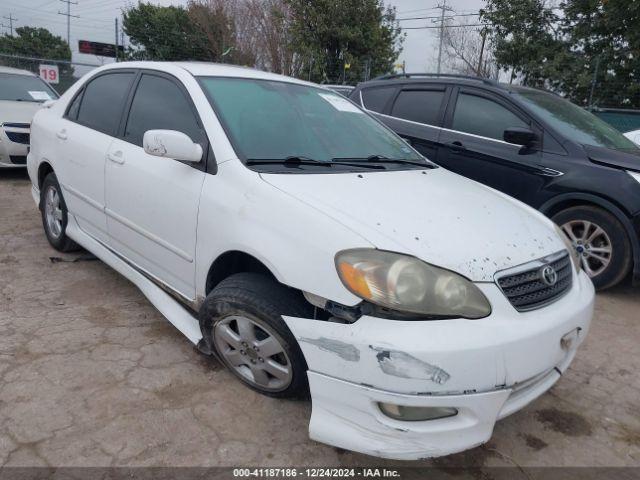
330,33
37,43
163,33
562,48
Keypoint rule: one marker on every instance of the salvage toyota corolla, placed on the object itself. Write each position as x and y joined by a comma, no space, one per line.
283,229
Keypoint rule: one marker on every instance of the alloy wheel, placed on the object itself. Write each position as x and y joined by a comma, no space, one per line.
592,244
53,212
254,352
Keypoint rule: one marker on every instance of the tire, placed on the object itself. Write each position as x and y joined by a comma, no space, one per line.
579,224
55,215
243,308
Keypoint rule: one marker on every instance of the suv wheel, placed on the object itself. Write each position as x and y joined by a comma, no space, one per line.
242,319
55,215
600,240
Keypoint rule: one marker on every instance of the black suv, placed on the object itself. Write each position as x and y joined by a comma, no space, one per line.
532,145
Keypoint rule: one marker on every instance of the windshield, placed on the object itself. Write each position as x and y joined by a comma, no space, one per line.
279,120
24,88
574,122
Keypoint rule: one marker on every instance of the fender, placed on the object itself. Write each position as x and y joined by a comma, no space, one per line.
610,207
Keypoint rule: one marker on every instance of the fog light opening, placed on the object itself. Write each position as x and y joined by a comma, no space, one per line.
415,414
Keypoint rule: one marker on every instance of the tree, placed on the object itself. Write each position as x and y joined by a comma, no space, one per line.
38,43
468,52
163,33
331,35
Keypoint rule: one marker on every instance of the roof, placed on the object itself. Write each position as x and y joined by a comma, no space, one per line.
16,71
207,69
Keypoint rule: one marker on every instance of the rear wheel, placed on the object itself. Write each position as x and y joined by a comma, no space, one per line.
601,242
242,320
55,215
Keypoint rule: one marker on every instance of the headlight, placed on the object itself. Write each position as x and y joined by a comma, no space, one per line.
635,175
575,256
406,284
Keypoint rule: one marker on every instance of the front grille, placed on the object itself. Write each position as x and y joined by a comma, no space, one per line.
18,159
18,137
525,288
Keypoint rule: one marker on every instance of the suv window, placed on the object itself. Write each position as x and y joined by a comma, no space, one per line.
102,101
421,106
160,104
484,117
375,99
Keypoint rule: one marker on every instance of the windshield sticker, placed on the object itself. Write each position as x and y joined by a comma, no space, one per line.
340,103
39,95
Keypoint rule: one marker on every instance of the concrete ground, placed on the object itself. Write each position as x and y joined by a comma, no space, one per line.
92,375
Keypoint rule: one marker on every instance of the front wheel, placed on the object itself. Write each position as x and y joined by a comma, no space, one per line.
601,242
242,319
55,215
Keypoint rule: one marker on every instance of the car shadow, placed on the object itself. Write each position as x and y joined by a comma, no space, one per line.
14,174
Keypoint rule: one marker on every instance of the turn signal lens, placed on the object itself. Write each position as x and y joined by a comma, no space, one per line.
415,414
354,280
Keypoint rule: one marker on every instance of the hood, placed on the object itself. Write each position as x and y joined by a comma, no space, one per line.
18,112
435,215
613,158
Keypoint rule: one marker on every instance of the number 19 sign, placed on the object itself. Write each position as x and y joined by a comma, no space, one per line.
49,73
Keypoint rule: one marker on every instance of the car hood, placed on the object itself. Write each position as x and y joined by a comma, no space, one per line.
613,158
435,215
18,112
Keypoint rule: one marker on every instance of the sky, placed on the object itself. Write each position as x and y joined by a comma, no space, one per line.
96,22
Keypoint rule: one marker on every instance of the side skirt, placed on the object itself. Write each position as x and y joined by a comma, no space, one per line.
172,310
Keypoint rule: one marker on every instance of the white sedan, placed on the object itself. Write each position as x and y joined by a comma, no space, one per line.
281,228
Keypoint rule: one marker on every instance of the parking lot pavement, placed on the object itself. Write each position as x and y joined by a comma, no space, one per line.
91,374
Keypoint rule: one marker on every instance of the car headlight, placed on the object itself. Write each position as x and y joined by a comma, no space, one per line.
406,284
575,256
635,175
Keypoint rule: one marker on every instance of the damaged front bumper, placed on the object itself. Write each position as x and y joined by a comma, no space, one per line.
486,369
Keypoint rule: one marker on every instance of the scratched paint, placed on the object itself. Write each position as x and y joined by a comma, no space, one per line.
401,364
346,351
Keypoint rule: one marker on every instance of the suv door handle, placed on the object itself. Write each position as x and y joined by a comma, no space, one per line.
456,146
62,134
116,157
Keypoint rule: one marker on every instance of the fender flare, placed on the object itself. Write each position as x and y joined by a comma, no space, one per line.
611,208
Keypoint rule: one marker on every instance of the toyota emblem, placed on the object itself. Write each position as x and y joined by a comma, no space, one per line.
549,275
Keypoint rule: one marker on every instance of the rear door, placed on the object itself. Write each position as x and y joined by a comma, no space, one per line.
152,202
83,137
413,111
473,145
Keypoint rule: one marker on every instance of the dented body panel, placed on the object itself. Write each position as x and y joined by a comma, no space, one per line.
487,368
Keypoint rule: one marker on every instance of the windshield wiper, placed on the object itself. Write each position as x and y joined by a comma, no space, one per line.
383,159
295,160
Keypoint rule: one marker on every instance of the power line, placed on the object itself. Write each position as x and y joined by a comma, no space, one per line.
438,16
448,26
68,15
11,18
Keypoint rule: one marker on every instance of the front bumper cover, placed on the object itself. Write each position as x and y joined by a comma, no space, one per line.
487,369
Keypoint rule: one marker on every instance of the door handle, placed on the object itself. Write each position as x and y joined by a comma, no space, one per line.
116,157
456,146
62,134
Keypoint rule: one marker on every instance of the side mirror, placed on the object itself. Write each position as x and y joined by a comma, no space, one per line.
171,144
520,136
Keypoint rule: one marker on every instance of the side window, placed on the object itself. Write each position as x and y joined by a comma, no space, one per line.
375,99
421,106
484,117
102,101
159,104
72,111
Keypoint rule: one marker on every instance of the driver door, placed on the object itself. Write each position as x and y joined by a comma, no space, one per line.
152,202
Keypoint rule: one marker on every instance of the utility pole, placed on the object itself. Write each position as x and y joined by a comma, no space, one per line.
68,15
594,81
444,8
116,43
484,39
11,19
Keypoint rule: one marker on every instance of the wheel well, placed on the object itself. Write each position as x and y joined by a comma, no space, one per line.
233,262
43,170
572,202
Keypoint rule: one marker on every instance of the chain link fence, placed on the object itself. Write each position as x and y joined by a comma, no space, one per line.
60,78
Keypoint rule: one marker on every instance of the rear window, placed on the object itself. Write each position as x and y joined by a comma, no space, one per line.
421,106
375,99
